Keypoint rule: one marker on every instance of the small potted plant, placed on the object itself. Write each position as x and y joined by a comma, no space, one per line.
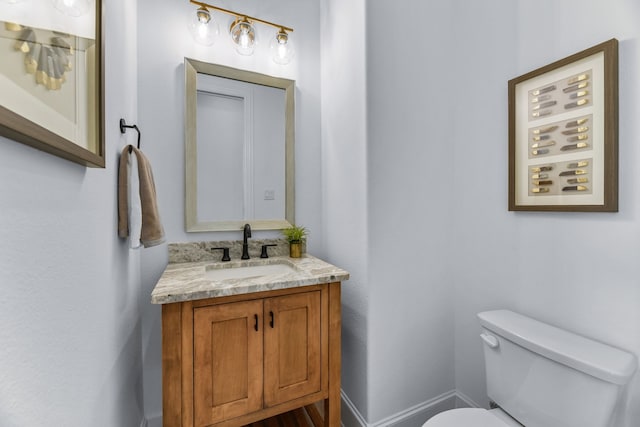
296,236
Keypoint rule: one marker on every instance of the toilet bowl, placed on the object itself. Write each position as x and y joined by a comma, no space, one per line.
541,375
472,417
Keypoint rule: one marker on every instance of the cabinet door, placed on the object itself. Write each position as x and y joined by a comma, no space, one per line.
227,361
292,347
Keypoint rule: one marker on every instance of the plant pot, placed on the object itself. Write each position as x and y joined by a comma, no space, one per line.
295,249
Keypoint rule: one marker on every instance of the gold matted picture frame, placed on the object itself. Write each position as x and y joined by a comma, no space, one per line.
51,77
563,134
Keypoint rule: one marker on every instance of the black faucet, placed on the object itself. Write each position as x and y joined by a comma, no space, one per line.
245,245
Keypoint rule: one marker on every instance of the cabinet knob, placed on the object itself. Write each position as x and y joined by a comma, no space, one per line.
256,326
271,322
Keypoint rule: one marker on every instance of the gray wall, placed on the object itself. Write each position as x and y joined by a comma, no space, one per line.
71,326
409,124
344,186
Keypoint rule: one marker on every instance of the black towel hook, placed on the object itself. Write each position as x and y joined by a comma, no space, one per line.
123,128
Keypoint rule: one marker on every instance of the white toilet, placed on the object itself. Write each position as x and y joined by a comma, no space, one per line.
542,376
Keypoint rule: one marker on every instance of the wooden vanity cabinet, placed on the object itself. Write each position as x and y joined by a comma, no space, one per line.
231,361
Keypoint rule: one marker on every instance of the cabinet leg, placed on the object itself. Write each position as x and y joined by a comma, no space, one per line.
332,412
171,365
332,404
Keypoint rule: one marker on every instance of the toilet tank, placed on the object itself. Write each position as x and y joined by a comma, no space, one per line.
544,376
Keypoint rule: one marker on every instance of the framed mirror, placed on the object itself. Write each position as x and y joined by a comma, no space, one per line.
239,149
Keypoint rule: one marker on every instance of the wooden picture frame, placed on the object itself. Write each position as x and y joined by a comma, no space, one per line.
51,78
563,134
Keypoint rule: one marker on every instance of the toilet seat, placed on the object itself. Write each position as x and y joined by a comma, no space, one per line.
467,417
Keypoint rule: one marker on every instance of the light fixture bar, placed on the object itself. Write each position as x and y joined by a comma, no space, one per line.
241,15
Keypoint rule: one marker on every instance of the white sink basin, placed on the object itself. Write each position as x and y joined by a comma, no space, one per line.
248,271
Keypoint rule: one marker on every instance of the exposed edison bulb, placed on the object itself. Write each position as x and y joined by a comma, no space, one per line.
243,35
203,28
281,48
73,8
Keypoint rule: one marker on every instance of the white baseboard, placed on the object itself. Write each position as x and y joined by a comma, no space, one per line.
349,414
155,421
410,417
464,401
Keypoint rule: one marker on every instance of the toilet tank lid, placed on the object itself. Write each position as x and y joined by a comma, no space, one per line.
584,354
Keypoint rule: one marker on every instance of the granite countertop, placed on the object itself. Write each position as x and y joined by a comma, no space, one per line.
187,281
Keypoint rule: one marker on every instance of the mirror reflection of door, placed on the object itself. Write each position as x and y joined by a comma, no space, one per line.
241,151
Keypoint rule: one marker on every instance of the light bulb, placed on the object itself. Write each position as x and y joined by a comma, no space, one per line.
281,48
73,8
243,35
203,28
244,40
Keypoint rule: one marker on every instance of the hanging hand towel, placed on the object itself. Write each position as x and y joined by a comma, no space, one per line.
151,232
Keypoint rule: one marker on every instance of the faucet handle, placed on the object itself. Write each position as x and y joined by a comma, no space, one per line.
264,253
225,253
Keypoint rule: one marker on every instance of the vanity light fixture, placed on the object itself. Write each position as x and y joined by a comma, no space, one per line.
243,35
204,30
281,48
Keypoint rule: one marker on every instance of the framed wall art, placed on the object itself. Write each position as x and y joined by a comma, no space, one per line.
563,134
51,77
